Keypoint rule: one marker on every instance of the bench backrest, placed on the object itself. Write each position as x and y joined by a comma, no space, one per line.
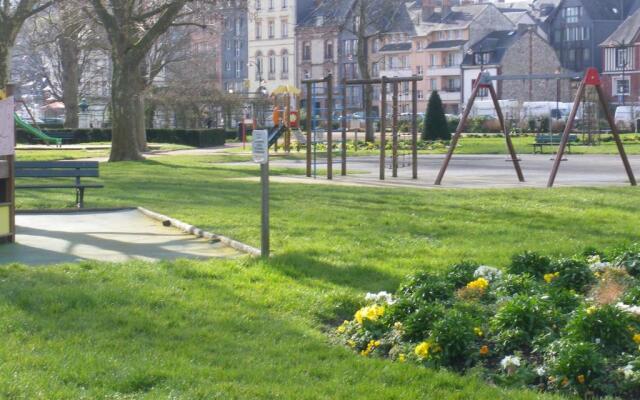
57,169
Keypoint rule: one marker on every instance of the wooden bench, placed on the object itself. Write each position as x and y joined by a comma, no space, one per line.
551,140
60,169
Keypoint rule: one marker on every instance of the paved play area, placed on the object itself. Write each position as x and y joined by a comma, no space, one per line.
113,236
473,171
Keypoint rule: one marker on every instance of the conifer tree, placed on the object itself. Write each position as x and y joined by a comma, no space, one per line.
435,123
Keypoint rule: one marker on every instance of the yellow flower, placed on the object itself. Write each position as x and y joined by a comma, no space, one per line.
636,338
484,350
480,284
580,379
371,346
551,277
351,343
342,328
478,331
422,350
402,358
591,310
371,313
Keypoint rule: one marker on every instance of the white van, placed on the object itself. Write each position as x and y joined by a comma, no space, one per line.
626,117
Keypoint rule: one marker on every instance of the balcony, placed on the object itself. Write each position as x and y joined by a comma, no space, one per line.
449,96
443,70
397,73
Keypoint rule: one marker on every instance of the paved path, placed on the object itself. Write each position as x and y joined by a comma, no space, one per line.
476,171
114,236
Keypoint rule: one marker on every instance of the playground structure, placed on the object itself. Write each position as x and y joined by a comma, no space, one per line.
328,81
591,78
7,170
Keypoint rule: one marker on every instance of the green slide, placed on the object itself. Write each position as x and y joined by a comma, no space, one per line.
36,132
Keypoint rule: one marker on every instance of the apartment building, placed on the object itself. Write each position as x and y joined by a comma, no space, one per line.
272,43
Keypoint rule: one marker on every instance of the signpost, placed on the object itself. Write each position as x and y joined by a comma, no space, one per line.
7,156
260,147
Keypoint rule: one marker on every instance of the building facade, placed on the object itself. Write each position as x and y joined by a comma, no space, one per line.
272,42
621,62
234,45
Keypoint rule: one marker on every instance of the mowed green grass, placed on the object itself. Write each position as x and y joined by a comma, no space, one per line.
248,329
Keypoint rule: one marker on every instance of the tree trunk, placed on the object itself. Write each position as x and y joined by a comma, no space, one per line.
140,129
5,62
69,59
125,106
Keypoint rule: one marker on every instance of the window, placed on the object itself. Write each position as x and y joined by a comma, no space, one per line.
453,85
238,69
270,4
420,95
238,45
284,28
622,57
328,50
575,33
285,4
375,69
259,66
622,87
285,64
482,58
258,29
272,65
306,51
227,66
271,30
419,70
434,61
258,5
376,46
572,15
434,84
307,75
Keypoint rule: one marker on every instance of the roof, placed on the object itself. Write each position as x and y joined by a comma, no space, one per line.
328,13
608,9
626,32
496,43
405,46
446,44
460,17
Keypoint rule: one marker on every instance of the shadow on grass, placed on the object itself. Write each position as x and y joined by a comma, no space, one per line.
307,266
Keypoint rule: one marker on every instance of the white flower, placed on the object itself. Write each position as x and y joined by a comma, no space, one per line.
541,371
630,309
593,259
489,273
380,297
627,370
510,361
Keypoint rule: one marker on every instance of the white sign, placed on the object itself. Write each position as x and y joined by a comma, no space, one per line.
7,132
260,146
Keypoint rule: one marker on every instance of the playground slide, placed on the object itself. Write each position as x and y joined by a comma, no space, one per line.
36,132
275,133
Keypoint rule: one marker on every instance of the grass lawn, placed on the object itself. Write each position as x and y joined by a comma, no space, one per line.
66,153
247,329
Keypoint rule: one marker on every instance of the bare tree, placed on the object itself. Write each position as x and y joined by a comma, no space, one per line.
133,27
371,20
13,14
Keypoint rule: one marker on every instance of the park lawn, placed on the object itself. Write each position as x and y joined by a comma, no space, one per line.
486,145
92,150
248,329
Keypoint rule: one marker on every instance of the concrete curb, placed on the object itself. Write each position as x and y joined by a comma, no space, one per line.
194,230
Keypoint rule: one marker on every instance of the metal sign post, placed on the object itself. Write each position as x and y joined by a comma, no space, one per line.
260,147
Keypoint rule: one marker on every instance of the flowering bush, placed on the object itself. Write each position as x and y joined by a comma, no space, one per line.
569,325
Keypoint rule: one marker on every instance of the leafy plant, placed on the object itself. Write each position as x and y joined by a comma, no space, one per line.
435,124
530,263
605,326
572,274
575,365
426,287
455,338
461,273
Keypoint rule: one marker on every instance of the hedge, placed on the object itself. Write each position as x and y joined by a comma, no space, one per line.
189,137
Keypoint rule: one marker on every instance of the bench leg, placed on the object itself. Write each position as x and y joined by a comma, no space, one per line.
80,197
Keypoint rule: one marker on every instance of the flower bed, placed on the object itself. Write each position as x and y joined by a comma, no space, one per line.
568,325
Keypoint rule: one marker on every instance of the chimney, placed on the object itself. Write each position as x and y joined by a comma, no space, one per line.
428,9
446,8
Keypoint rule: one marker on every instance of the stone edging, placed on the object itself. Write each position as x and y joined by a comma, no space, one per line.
194,230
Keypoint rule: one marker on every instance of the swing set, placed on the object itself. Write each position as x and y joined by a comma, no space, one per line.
590,78
384,81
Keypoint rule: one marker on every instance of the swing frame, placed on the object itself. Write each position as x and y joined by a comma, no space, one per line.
590,78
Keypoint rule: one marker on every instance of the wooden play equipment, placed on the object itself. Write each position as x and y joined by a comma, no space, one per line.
7,172
384,82
590,78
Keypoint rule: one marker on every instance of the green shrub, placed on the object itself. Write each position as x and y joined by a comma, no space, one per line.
632,296
572,274
461,273
417,324
426,287
519,320
529,263
576,365
455,338
630,260
435,124
607,326
512,284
